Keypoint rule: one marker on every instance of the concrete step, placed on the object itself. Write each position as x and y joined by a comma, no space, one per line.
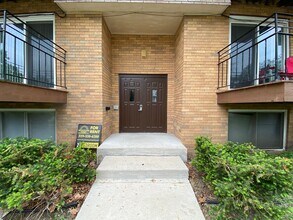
142,167
142,144
155,200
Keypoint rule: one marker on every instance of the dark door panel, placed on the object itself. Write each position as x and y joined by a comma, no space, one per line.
156,102
143,103
130,99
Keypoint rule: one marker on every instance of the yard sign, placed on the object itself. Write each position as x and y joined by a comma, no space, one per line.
88,135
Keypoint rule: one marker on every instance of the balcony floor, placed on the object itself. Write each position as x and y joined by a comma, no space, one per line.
15,92
275,92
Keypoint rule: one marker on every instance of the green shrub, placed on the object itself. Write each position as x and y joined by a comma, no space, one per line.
35,172
286,154
249,183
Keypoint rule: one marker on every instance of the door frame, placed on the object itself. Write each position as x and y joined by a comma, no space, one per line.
141,75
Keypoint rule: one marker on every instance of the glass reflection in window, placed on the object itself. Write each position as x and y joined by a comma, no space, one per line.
131,95
154,95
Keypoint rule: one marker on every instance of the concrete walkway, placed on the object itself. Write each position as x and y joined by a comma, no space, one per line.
143,144
141,177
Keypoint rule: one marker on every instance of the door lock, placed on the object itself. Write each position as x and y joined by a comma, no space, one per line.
140,108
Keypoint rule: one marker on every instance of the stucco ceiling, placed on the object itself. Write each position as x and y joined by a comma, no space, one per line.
143,24
142,18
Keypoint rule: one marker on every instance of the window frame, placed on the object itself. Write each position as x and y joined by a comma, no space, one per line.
30,18
285,122
25,111
241,19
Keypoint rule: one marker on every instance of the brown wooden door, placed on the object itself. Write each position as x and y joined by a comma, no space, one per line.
143,103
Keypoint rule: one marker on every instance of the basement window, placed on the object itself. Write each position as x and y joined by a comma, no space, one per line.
31,124
264,129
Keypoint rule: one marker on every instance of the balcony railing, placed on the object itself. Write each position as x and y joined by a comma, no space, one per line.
28,56
259,56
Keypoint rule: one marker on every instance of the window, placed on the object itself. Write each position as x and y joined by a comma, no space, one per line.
31,124
131,95
253,52
263,129
154,95
14,53
31,62
243,64
40,62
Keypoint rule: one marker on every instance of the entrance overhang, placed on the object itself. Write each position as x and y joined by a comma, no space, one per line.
144,17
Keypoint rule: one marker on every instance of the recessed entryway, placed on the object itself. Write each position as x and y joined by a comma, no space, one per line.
143,103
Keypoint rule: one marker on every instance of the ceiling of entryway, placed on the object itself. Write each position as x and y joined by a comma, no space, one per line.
142,18
143,23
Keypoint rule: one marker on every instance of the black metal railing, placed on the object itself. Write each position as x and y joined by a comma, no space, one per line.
258,56
29,57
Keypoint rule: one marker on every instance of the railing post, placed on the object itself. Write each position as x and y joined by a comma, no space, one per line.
276,45
4,45
64,70
218,70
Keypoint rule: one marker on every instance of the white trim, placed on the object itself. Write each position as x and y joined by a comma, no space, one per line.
55,126
287,39
285,122
53,60
31,17
256,54
254,20
25,123
229,61
25,58
257,110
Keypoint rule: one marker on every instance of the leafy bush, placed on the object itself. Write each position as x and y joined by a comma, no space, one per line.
249,183
286,154
38,173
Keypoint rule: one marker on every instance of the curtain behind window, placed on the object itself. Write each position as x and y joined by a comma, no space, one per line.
243,63
264,130
40,62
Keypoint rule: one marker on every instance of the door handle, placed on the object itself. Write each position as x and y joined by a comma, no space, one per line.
140,108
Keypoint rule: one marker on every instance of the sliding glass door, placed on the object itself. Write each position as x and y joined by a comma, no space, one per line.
29,52
267,59
253,54
243,61
14,53
40,69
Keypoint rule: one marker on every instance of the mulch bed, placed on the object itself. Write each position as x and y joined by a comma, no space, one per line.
73,203
202,192
68,212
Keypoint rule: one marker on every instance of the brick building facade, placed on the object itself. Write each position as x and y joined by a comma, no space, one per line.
96,56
